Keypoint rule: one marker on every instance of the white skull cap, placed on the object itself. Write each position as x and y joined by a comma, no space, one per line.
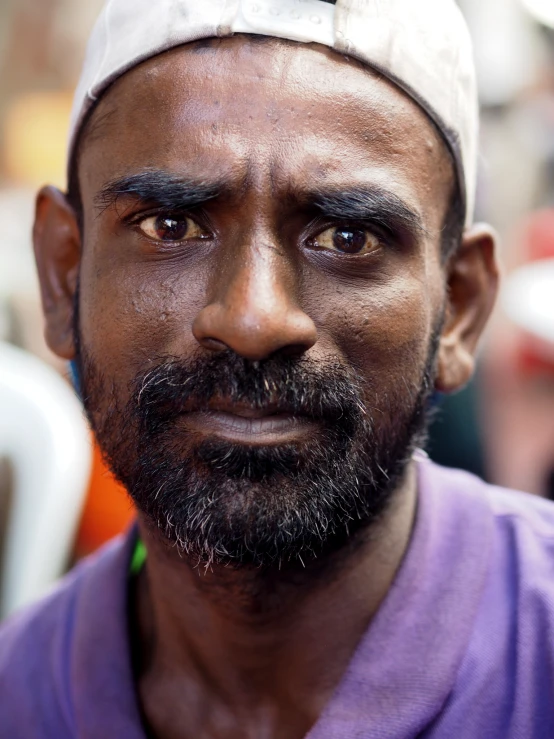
423,46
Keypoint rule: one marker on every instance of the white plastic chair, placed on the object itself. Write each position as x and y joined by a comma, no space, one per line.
45,438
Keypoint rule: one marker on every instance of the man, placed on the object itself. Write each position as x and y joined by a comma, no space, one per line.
263,270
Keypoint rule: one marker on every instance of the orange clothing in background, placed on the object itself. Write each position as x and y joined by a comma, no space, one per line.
108,509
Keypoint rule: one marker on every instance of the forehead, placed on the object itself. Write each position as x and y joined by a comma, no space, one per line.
272,111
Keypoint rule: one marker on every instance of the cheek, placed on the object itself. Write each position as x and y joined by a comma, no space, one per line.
135,313
383,330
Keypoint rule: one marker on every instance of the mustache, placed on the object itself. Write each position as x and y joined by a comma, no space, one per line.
328,392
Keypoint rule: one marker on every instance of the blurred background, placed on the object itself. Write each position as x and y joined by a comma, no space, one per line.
501,427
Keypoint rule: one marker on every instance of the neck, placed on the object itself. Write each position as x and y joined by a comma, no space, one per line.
249,641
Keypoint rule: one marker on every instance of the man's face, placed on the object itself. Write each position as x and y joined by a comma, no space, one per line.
261,292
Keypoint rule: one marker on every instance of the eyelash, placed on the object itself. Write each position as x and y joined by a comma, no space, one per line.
136,218
387,235
315,228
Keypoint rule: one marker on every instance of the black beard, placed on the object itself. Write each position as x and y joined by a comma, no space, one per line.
227,503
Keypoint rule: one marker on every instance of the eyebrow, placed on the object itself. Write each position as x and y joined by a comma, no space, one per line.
163,189
368,203
173,192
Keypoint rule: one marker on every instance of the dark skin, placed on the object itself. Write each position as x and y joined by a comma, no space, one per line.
231,652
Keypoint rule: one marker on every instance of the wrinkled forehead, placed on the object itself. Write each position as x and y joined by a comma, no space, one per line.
224,104
424,48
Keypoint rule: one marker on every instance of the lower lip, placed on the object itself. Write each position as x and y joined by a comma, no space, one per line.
267,430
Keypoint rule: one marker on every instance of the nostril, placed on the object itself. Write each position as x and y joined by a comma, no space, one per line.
214,345
292,350
253,331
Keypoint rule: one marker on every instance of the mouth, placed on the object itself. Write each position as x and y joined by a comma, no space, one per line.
248,425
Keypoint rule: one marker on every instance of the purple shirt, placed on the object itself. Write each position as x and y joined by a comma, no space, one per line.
462,647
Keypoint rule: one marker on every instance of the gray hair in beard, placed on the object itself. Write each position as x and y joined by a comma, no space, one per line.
228,503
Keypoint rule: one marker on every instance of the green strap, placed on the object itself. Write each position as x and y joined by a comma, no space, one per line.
139,558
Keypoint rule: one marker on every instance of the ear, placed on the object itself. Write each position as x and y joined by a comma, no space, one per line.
57,244
472,283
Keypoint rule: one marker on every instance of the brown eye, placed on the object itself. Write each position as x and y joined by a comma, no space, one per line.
347,240
171,228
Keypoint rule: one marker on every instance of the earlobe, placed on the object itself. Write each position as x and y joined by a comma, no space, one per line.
57,245
472,281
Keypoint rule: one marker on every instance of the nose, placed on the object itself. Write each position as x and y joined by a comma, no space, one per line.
254,309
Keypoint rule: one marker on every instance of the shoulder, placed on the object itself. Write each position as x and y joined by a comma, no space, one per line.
505,680
519,531
32,670
37,653
520,540
510,510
